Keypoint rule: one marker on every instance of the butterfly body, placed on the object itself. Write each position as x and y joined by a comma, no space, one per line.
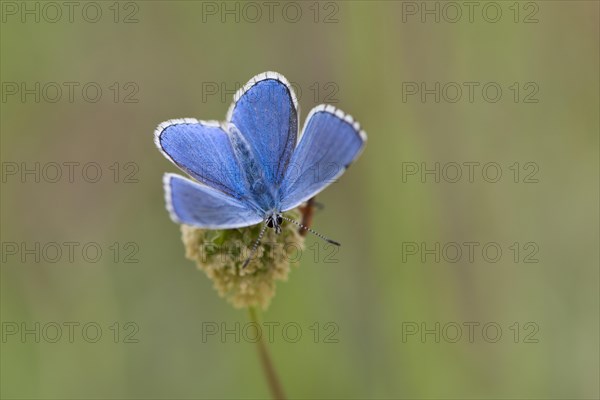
254,167
261,196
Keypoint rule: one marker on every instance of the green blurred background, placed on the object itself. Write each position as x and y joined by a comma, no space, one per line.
357,54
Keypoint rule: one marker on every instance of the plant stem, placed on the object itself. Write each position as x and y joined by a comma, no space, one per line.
266,362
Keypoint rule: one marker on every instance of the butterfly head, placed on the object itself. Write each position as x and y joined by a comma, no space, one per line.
274,221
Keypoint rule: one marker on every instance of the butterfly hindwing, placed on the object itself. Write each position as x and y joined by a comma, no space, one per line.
199,205
330,142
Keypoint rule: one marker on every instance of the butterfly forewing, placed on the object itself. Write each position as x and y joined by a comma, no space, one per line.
330,142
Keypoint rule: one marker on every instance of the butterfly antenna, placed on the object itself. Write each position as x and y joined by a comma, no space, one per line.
306,228
255,246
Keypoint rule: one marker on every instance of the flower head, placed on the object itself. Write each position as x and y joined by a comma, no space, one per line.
222,253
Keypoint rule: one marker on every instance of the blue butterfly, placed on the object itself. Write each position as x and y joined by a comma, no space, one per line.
253,167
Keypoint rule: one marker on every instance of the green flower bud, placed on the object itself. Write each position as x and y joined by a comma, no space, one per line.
222,253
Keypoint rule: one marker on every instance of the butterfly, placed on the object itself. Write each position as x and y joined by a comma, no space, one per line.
253,167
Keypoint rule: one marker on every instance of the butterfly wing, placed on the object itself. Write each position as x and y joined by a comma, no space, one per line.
265,111
199,205
330,142
203,150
